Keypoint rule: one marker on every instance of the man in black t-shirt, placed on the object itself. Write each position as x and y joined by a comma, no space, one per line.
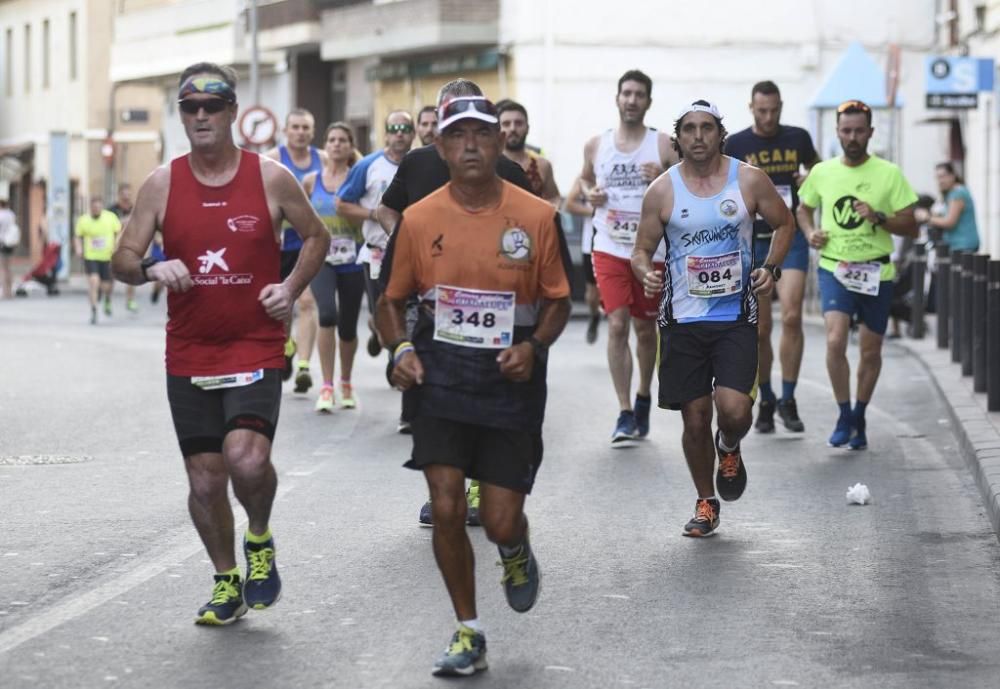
782,152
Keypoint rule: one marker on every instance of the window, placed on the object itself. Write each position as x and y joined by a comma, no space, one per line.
45,54
9,61
72,46
27,58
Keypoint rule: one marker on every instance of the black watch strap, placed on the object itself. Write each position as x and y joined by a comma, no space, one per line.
773,269
146,264
540,347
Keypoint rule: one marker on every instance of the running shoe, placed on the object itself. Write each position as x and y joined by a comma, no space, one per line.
765,417
592,325
324,404
290,350
705,520
303,379
426,517
522,579
860,439
642,407
626,430
154,296
472,498
403,427
347,400
789,413
465,655
731,477
374,347
107,307
93,315
226,605
841,433
131,306
262,588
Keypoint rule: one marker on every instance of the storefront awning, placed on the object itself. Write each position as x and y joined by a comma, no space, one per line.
856,76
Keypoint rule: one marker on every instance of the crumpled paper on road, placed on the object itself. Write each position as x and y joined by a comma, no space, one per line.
858,494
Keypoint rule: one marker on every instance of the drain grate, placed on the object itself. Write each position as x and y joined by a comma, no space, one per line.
36,460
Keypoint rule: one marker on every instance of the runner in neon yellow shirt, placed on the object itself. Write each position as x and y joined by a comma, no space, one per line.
865,200
94,237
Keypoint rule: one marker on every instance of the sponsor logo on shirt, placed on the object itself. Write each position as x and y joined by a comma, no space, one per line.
844,214
213,204
728,208
243,223
515,244
212,260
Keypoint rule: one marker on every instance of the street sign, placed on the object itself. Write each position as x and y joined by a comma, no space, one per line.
955,82
258,125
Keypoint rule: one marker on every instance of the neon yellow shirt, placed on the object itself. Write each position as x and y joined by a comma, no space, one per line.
98,235
834,187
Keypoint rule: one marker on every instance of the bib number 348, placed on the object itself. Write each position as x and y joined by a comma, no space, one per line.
474,318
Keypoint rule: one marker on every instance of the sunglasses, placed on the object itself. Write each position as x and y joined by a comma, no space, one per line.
852,106
210,105
398,128
458,105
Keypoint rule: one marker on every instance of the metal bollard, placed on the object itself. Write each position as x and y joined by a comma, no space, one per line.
966,306
918,270
993,337
942,281
980,265
955,296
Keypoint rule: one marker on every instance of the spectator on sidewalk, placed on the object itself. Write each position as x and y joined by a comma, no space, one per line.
958,223
10,237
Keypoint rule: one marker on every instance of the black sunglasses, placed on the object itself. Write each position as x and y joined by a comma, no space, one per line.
398,128
479,104
211,106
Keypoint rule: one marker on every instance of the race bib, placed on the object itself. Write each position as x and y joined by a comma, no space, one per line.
862,278
229,380
715,276
375,262
474,318
98,243
343,251
623,225
785,192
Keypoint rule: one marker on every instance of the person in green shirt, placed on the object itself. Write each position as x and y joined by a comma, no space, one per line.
94,240
958,222
865,200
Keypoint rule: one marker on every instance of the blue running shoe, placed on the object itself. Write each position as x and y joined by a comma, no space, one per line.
226,605
841,434
262,588
426,517
465,655
626,430
642,407
860,439
522,579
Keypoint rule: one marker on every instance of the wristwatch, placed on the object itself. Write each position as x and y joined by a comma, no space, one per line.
541,349
880,218
773,269
146,264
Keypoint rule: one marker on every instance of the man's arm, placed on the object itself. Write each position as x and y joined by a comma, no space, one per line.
769,204
656,207
351,191
903,222
150,203
588,180
299,212
77,239
390,312
550,191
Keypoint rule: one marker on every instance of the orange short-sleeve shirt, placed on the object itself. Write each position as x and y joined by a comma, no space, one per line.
513,247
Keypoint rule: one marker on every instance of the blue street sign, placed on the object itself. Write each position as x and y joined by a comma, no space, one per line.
955,82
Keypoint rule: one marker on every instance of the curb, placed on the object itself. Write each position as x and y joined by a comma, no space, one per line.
977,430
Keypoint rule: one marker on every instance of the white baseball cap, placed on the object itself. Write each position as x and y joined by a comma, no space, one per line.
700,106
466,107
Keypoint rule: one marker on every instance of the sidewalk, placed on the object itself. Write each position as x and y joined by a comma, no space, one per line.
977,430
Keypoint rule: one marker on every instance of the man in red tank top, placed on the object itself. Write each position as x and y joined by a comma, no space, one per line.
220,210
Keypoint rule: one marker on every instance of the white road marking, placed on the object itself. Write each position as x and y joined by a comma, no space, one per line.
559,668
620,596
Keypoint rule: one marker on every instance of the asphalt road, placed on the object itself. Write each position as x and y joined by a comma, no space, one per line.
102,571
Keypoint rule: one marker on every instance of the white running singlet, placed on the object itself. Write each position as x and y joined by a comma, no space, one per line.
620,176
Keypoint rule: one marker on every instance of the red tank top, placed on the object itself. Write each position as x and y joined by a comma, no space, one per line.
225,238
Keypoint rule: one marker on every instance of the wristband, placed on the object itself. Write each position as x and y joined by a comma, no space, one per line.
401,351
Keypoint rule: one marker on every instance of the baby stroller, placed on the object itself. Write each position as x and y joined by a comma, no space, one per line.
44,271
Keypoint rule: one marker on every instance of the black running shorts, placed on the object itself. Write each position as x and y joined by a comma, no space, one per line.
100,268
588,270
697,357
502,457
288,261
202,418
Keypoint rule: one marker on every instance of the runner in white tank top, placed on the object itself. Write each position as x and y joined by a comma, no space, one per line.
704,207
618,166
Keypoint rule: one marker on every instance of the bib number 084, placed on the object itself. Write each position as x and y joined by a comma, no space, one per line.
705,277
